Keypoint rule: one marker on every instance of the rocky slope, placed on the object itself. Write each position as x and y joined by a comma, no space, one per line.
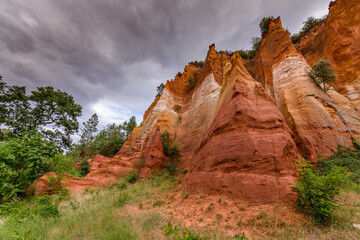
239,136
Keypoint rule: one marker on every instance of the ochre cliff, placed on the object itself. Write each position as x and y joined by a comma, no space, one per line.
239,136
320,121
338,40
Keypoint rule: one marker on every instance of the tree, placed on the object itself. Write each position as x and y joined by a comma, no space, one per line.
129,126
255,41
264,24
322,73
90,128
52,113
160,89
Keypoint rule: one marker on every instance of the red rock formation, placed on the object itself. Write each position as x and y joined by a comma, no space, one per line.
153,154
320,122
247,152
338,40
239,137
103,172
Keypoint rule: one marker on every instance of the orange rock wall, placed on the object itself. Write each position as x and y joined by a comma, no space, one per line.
338,40
318,122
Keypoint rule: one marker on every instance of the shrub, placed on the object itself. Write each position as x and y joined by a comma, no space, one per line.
122,199
84,167
322,73
132,177
177,108
158,203
22,160
170,146
171,169
199,64
316,194
178,233
193,79
308,24
344,158
46,208
264,24
160,89
120,185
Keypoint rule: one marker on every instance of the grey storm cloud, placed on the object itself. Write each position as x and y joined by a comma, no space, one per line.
111,54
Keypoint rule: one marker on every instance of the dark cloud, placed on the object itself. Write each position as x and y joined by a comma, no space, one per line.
110,55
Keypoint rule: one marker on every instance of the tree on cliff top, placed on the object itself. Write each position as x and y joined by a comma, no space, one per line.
322,73
264,28
160,89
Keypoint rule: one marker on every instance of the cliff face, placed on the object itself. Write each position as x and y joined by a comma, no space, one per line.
338,40
320,121
239,136
233,139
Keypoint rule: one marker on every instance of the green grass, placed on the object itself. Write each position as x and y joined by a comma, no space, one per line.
100,214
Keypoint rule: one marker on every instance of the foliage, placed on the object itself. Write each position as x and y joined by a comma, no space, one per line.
177,108
170,146
107,142
128,126
22,160
250,54
199,64
160,89
22,220
344,158
84,167
322,73
176,233
133,176
62,164
238,237
119,185
90,128
193,79
316,193
308,24
56,184
264,24
52,113
255,41
171,168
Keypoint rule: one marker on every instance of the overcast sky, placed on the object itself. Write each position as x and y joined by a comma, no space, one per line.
111,54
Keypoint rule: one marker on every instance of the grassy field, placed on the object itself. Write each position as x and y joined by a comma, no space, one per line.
143,210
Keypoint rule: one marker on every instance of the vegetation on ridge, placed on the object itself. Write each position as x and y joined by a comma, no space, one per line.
308,24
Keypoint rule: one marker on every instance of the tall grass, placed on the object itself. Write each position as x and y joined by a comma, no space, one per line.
99,214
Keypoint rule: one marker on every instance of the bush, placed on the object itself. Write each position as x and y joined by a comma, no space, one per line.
84,167
120,185
132,177
344,158
264,24
250,54
23,160
199,64
316,194
308,24
46,208
322,73
170,146
193,79
178,233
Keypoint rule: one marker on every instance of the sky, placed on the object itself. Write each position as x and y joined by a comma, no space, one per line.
111,54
